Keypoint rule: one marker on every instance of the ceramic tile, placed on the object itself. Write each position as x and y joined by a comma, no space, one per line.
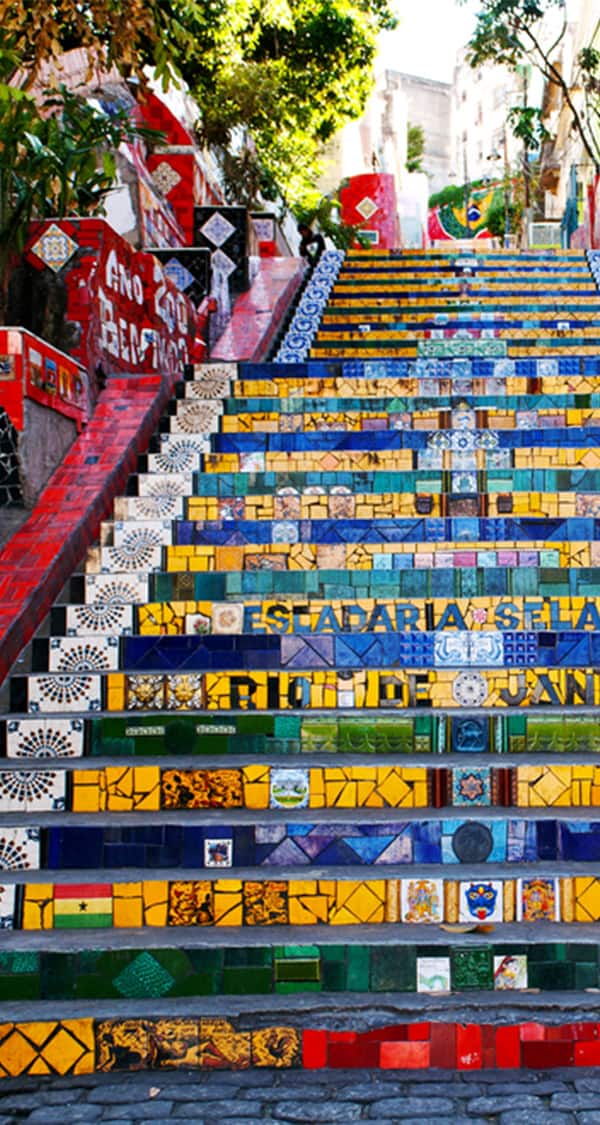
481,901
510,971
57,693
32,790
19,849
75,654
44,738
433,974
537,900
105,593
422,900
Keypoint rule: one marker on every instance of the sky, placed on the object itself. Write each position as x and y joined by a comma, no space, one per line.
428,36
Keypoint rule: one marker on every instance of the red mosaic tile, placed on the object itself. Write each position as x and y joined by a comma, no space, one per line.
508,1047
468,1047
586,1054
67,515
394,1032
531,1032
537,1055
314,1049
354,1055
443,1045
413,1056
258,314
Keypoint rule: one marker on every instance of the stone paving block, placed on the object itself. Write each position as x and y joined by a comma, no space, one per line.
48,1115
537,1117
325,1111
134,1111
139,1088
412,1107
222,1110
197,1091
499,1103
577,1101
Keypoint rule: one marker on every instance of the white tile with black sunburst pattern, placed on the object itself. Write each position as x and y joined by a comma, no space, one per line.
81,654
105,590
44,738
28,791
99,619
178,453
53,693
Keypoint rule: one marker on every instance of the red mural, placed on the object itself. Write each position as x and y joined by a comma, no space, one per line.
31,368
130,317
369,201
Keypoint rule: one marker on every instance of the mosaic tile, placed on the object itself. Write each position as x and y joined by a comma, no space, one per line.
433,974
47,1047
537,900
7,905
44,738
481,901
422,900
63,692
32,790
104,594
510,971
355,510
72,654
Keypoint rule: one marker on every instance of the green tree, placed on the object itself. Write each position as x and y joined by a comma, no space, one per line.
274,77
497,215
415,148
510,32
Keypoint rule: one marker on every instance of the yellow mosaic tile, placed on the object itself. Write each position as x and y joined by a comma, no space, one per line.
38,906
586,899
47,1047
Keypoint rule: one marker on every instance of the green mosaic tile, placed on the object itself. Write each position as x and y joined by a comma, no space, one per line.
26,961
22,986
551,975
358,962
333,976
296,969
246,980
471,968
586,976
143,977
198,984
287,987
393,969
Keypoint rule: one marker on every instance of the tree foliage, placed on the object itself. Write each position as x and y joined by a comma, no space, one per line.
115,30
287,73
512,32
497,215
415,148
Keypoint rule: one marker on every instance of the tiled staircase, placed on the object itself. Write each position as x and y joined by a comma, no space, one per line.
346,617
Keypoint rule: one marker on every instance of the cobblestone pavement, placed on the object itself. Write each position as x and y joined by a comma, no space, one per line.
557,1097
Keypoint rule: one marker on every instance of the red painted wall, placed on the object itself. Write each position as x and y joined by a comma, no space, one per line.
369,201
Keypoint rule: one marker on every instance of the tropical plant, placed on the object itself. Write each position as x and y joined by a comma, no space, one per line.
415,148
325,215
57,158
